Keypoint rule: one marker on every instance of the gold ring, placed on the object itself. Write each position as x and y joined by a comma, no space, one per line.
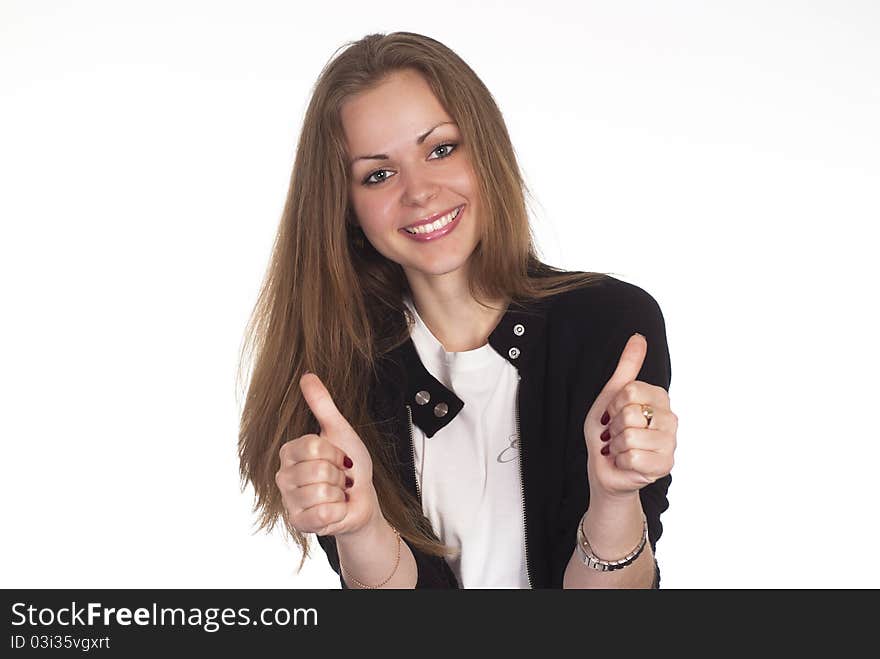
648,413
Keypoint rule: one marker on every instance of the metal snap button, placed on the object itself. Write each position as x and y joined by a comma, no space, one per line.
440,409
519,329
513,352
423,397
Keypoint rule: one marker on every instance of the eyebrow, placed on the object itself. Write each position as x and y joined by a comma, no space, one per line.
420,140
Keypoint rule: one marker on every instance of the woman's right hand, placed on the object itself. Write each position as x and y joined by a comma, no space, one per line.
314,471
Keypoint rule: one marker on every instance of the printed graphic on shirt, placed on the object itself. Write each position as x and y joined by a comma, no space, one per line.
511,452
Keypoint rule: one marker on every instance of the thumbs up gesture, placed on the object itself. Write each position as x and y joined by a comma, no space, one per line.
326,480
624,452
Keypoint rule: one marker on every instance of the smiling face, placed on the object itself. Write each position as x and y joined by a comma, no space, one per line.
421,169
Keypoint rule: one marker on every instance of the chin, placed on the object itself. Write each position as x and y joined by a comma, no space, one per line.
437,266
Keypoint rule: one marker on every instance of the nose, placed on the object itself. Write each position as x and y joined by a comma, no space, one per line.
419,189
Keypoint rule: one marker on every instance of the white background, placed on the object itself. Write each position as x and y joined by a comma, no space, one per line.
722,155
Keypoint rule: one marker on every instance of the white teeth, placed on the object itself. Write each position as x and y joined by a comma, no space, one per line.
442,222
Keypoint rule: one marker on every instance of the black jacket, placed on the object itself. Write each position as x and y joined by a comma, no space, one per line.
565,349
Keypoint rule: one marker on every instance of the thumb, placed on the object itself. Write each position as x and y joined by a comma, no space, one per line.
321,403
629,365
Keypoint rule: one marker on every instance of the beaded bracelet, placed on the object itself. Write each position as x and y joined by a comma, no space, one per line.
393,572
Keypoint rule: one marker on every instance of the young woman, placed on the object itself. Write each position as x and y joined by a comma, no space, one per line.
437,405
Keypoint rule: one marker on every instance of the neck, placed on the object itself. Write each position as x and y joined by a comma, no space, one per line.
457,319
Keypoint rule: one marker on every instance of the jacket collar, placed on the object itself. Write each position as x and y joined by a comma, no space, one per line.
516,337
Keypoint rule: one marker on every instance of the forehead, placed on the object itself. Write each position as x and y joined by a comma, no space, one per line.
391,115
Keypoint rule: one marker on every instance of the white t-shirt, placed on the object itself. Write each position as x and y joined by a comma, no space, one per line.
469,471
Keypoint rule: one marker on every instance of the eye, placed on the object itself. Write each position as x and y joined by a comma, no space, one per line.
440,146
367,181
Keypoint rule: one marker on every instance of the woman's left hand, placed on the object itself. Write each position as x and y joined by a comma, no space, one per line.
624,454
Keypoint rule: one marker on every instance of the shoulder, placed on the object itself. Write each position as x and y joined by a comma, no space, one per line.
608,299
591,325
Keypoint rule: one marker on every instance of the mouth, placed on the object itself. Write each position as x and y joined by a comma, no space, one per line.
435,226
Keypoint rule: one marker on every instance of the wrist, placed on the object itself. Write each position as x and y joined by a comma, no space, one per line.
613,525
362,553
614,504
374,529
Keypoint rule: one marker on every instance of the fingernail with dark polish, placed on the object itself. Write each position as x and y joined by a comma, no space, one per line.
605,450
347,462
348,482
605,418
606,435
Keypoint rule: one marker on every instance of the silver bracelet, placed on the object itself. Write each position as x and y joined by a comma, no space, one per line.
594,562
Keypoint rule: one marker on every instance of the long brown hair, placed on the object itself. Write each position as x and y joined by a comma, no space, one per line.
331,304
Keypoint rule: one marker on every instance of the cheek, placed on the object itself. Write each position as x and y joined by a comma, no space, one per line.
465,185
371,212
462,180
